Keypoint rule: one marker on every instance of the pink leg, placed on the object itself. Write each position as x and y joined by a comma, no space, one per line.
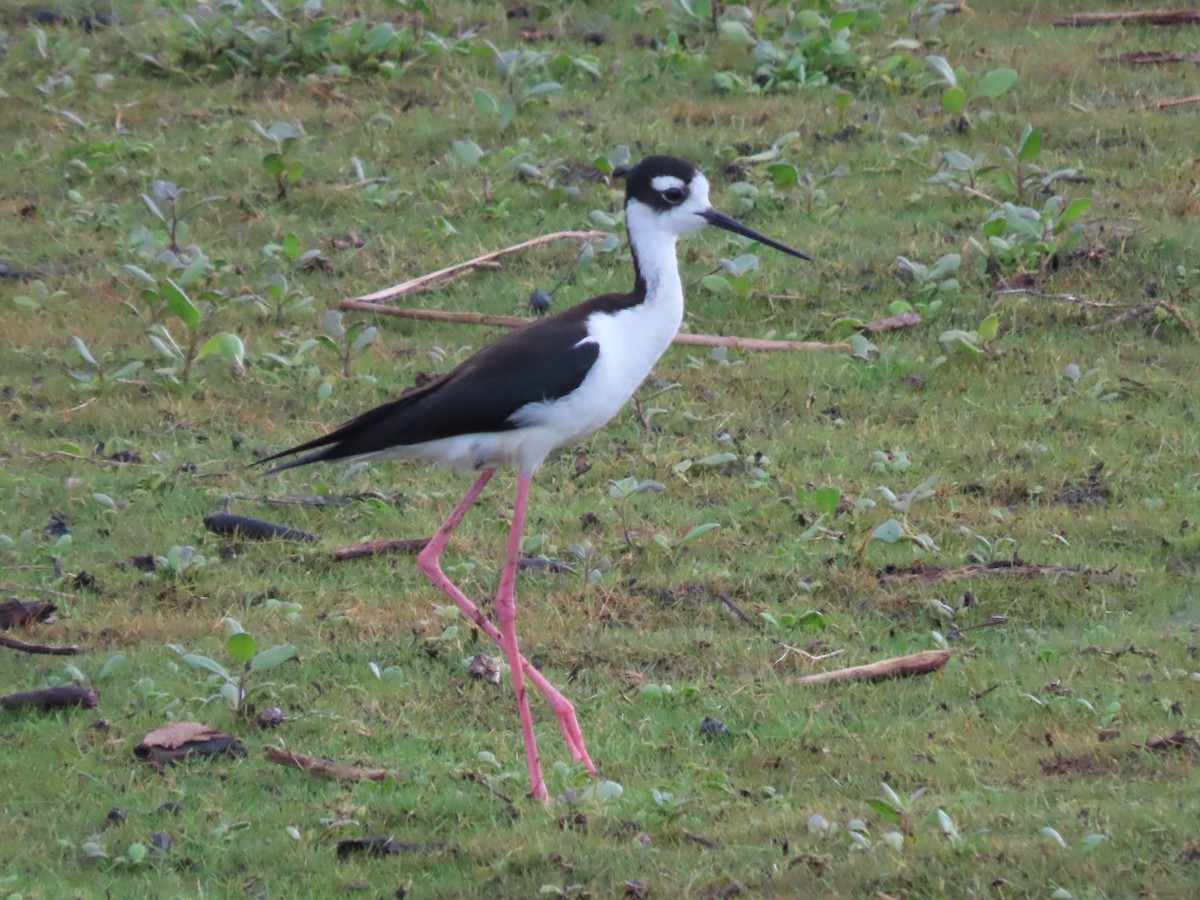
428,560
506,612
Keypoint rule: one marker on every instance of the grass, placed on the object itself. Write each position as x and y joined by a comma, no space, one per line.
1038,723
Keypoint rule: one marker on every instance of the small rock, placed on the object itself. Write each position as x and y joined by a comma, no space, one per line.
271,717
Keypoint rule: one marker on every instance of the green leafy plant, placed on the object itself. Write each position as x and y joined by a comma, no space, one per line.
166,194
279,163
167,293
250,662
624,488
522,71
95,376
976,342
347,341
826,500
961,89
1022,238
931,284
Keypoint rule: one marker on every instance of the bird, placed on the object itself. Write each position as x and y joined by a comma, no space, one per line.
543,386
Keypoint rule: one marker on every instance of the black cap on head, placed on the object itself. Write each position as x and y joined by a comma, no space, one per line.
638,178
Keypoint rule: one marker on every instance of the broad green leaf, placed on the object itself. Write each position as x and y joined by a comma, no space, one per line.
273,164
827,499
718,284
272,657
886,811
114,662
485,101
942,66
989,328
698,531
380,38
813,620
996,82
203,662
784,175
953,100
843,20
1031,145
154,208
467,153
508,111
84,351
736,31
541,90
179,304
889,532
241,647
1076,209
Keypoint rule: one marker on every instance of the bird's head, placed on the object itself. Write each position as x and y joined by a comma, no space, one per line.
671,196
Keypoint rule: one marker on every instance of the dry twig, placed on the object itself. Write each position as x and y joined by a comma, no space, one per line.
379,547
415,284
1130,17
14,644
327,768
898,667
473,318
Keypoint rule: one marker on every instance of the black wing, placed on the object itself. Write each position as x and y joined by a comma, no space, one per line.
540,361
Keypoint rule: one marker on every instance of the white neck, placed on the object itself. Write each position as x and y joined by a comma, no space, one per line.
654,253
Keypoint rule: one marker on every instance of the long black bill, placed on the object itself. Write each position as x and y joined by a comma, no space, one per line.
723,221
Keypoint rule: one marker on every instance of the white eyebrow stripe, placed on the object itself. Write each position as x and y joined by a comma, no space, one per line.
666,182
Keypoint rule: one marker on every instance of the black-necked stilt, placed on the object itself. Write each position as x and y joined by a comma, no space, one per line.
547,384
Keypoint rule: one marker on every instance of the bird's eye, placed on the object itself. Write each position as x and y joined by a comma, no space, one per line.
674,195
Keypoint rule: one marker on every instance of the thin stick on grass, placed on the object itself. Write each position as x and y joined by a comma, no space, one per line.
1130,17
380,547
474,318
1167,104
43,649
416,284
327,768
897,667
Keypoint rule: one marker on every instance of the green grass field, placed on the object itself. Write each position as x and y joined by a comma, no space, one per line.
1042,414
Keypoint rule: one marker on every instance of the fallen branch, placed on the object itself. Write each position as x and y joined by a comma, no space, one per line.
1130,17
295,500
891,323
53,698
14,644
1152,57
1140,312
473,318
1167,104
327,768
708,843
380,547
1016,567
899,667
415,284
1061,298
36,590
1180,739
